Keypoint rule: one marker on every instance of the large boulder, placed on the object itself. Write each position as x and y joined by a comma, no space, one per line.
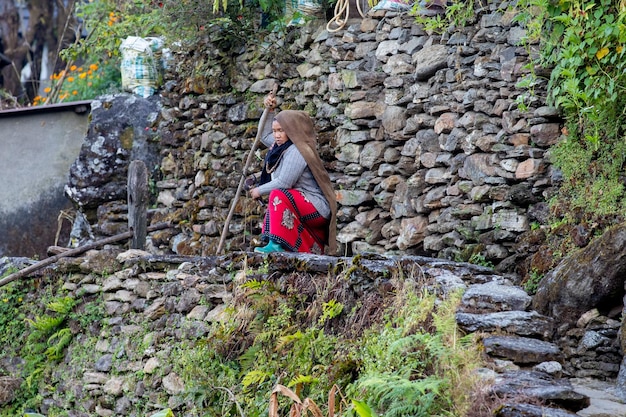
122,129
590,278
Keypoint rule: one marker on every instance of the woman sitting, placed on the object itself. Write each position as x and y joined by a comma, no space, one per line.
302,207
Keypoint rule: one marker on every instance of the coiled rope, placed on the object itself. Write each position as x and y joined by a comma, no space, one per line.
341,14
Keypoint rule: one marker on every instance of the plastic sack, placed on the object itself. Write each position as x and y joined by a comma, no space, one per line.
141,66
298,10
395,5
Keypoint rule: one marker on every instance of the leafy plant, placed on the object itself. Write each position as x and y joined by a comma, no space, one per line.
582,42
48,336
532,282
164,413
480,259
411,361
91,64
81,83
330,310
409,370
108,22
12,319
457,14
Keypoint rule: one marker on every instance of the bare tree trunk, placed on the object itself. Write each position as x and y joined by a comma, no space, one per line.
12,47
50,28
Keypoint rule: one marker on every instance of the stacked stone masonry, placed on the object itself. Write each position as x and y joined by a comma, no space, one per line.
433,146
153,304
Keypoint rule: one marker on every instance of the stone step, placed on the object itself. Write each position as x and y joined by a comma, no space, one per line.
521,323
493,296
521,350
550,391
531,410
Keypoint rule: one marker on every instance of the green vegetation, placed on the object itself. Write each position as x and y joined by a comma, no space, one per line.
411,361
582,45
395,354
47,337
532,282
583,41
92,63
400,356
457,15
12,318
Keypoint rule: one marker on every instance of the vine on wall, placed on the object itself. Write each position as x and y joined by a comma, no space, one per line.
582,42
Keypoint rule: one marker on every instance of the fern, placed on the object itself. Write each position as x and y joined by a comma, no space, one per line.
302,380
35,348
399,396
62,306
57,344
416,363
248,359
289,339
46,324
254,377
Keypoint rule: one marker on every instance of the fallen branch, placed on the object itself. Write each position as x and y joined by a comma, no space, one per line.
76,251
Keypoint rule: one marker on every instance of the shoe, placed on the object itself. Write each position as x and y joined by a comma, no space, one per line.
270,247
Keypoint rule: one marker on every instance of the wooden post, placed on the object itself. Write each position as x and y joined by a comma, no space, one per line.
138,203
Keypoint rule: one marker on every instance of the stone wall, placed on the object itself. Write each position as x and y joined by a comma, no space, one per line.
138,309
432,145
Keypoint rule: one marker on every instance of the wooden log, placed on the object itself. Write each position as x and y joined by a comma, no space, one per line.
76,251
138,203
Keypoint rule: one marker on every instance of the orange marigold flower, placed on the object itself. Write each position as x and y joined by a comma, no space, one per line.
74,92
47,90
73,68
93,67
70,79
82,75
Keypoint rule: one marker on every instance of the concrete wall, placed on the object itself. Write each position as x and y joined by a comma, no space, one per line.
38,146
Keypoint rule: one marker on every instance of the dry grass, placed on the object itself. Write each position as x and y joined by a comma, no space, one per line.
302,407
8,388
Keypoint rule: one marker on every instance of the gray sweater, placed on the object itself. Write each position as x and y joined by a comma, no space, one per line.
292,172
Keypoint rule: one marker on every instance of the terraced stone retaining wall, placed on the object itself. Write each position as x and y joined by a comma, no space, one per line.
431,143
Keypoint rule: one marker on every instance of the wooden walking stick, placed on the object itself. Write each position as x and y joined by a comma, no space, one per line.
255,145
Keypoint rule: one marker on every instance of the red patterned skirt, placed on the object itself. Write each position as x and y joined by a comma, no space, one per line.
293,221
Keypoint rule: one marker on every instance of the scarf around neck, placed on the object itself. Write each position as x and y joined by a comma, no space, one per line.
271,161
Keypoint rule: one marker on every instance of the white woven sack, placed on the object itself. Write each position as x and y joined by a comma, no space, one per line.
139,68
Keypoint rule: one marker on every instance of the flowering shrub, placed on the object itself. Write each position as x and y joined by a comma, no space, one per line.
81,83
107,23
